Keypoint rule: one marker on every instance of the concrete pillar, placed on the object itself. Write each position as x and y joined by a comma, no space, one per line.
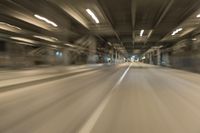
113,56
92,56
116,57
66,57
158,57
150,58
51,57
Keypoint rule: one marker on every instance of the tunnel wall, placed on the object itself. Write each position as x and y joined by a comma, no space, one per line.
184,55
13,55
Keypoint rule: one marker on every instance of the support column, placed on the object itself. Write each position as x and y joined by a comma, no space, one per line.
158,57
92,50
150,58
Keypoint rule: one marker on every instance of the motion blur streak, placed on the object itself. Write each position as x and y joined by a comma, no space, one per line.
149,99
99,66
93,119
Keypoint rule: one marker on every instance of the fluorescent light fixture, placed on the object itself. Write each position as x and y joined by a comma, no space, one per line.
46,20
173,34
25,43
198,16
180,29
22,39
69,45
50,39
54,46
109,43
141,33
92,15
10,26
176,31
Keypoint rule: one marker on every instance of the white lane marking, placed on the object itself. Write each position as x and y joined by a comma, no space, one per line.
88,126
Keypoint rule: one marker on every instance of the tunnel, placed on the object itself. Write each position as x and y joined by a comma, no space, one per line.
100,66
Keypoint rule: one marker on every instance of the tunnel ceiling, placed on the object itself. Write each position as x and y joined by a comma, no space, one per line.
120,21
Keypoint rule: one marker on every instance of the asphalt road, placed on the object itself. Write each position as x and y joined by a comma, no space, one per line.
134,98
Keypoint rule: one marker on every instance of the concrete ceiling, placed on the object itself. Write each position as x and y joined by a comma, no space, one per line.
120,20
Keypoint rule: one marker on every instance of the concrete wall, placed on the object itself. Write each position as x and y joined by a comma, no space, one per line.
184,55
15,56
84,52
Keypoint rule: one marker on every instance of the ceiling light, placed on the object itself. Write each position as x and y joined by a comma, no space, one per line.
176,31
109,43
92,15
54,46
141,33
180,29
25,43
45,20
173,34
50,39
69,45
198,16
9,25
22,39
194,39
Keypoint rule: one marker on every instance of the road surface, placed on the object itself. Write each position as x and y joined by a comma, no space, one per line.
127,98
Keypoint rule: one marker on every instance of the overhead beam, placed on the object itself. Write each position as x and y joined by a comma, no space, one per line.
133,18
163,14
105,12
168,6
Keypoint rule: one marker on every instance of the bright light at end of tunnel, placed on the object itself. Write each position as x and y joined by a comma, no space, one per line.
141,33
45,20
143,58
92,15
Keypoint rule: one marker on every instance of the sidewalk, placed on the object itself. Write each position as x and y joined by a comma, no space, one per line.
15,77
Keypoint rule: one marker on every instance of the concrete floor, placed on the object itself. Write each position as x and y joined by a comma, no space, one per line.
134,98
